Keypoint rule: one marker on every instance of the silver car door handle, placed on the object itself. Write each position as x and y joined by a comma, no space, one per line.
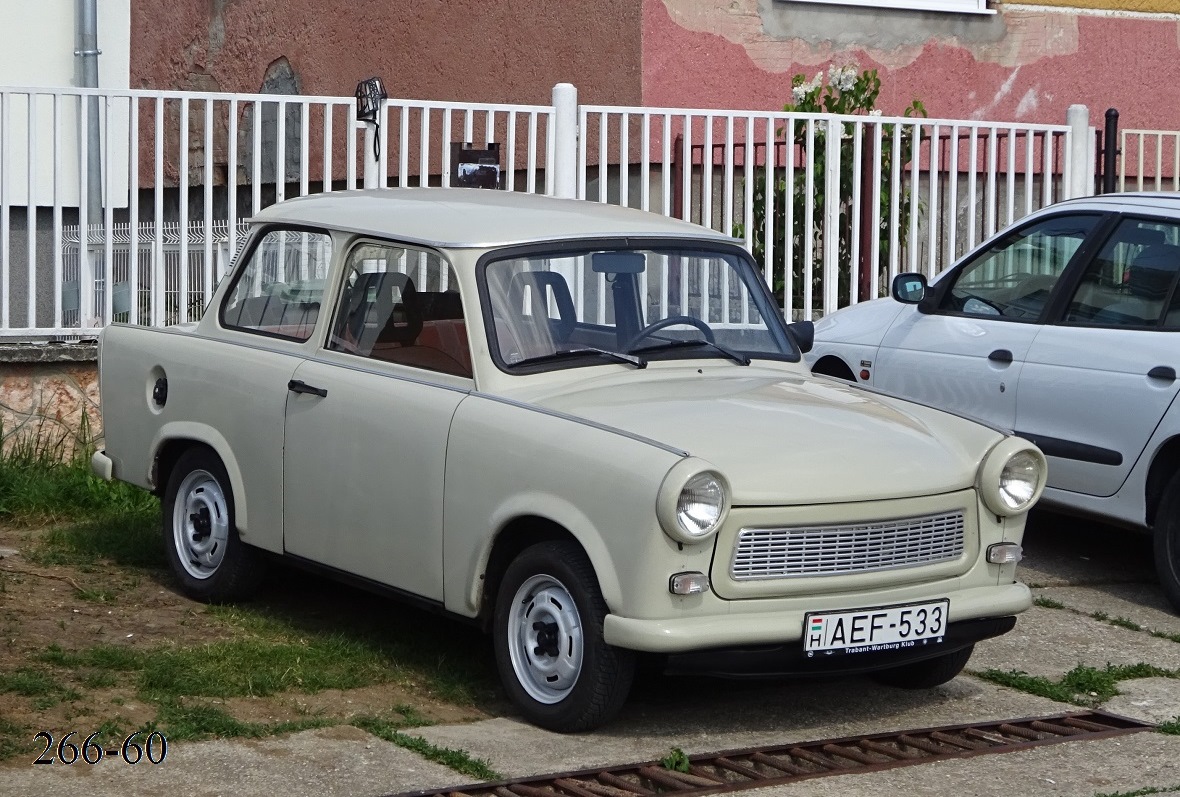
1165,372
1000,356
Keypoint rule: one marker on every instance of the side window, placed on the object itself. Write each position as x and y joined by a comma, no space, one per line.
1013,279
1129,283
278,291
401,305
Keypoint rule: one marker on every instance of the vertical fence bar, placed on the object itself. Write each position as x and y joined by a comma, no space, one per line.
159,268
6,139
875,274
85,262
809,223
953,198
108,225
231,180
133,207
932,211
281,150
972,181
992,199
854,264
31,212
58,264
831,222
207,216
182,285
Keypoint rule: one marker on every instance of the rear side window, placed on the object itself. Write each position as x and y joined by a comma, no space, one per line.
1131,281
279,290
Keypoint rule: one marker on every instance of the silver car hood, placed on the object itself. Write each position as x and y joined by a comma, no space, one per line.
788,439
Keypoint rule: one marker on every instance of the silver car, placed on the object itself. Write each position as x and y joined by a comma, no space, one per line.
1064,328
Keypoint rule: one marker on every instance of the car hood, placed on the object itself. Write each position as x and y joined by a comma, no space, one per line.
788,439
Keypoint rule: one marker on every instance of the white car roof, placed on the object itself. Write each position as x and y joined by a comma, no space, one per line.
475,217
1167,202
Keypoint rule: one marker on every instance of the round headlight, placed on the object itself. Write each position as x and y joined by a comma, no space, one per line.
1019,479
693,501
700,505
1012,476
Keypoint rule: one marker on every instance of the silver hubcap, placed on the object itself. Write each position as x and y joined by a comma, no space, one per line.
200,524
545,639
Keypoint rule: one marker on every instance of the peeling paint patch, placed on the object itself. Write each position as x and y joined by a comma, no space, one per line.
778,38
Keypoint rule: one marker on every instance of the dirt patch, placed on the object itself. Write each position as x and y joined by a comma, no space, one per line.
48,612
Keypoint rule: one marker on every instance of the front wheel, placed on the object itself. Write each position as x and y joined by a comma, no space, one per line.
550,651
928,673
208,559
1167,542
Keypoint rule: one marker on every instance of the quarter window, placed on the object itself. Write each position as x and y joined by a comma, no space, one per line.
1129,283
278,292
1013,278
402,305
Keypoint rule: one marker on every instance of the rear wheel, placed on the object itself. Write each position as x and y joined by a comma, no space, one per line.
550,651
209,560
1167,542
928,673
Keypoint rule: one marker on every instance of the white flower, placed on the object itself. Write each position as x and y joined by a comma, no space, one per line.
798,93
875,112
816,81
845,78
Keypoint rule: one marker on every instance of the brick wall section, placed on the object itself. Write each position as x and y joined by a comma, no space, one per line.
46,390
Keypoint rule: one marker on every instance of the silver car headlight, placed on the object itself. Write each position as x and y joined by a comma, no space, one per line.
1012,477
693,501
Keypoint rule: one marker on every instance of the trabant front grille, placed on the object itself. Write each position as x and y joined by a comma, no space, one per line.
841,549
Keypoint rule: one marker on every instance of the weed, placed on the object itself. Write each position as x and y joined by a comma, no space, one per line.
182,721
676,760
14,739
458,760
1141,792
1123,622
1171,727
1048,603
99,679
1083,685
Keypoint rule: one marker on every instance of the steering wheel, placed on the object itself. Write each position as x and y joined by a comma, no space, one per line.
670,321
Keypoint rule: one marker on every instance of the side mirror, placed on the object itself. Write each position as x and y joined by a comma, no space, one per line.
909,288
803,333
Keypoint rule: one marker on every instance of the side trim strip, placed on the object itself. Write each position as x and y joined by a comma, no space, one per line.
1070,449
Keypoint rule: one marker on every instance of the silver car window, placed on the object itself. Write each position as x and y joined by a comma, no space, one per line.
1129,282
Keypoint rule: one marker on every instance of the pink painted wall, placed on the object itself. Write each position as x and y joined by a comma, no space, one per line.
1028,65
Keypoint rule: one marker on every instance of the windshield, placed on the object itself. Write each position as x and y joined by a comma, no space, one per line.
629,306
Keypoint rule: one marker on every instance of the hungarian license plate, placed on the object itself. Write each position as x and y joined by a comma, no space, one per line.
875,630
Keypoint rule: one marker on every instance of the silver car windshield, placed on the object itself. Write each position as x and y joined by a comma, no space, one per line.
630,306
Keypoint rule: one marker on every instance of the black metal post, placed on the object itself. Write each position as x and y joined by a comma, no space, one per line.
1110,150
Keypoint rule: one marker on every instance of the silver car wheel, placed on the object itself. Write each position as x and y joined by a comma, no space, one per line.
200,524
545,639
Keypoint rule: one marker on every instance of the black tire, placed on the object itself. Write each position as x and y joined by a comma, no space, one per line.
1167,542
552,658
926,674
834,367
209,560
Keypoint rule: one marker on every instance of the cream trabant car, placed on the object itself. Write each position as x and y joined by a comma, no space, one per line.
586,427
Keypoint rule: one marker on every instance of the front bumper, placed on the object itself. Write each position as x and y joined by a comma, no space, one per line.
742,629
791,659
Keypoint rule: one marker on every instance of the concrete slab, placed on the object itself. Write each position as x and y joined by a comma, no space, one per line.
330,761
1152,700
1124,764
1143,604
1051,642
709,719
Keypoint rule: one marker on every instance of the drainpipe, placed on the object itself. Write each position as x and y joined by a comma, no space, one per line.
87,52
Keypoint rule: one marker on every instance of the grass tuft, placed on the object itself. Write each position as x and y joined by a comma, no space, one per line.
458,760
1048,603
1083,685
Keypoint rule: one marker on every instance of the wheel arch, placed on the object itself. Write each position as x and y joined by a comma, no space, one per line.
1164,465
169,446
521,532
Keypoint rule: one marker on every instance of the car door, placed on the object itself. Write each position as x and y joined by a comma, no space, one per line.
1097,382
965,349
368,419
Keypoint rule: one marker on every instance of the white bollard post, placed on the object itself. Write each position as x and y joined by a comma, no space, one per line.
1080,171
565,141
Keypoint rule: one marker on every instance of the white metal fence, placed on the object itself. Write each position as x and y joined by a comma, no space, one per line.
1150,160
831,206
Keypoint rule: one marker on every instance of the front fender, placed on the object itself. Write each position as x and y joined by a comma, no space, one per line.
206,435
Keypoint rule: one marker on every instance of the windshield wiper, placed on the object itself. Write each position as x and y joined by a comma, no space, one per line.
565,354
737,357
